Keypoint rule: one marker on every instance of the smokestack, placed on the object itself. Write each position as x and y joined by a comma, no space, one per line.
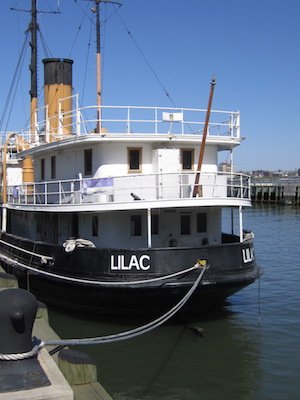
58,85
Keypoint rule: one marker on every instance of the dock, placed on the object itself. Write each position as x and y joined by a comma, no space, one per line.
285,192
66,375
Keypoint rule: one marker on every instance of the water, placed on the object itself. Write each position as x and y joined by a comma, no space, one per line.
249,349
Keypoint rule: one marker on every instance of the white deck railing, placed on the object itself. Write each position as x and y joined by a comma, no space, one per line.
127,120
122,189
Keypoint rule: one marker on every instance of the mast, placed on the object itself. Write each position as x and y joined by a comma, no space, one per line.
27,167
33,27
197,188
98,58
96,9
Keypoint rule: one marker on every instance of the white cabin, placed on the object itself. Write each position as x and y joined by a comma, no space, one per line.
134,170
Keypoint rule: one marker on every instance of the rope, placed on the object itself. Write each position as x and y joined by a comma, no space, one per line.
36,346
16,78
97,283
137,331
26,251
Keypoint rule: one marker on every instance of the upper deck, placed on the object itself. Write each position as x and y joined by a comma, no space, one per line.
111,188
136,191
117,122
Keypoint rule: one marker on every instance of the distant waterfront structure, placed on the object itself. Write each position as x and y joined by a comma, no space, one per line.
275,187
284,190
274,174
225,167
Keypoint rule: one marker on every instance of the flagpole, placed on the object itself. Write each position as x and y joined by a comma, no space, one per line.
198,189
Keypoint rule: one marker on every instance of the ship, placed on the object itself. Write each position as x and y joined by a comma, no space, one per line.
120,209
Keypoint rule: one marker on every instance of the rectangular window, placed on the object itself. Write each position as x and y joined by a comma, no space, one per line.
53,167
187,159
42,169
154,224
185,224
136,225
88,162
95,226
134,159
201,222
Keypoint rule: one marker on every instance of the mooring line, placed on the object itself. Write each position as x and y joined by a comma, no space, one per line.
136,331
37,344
94,282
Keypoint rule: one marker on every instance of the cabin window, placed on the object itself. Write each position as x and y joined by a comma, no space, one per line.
154,224
136,225
187,159
42,169
53,167
88,162
95,226
185,224
134,159
201,222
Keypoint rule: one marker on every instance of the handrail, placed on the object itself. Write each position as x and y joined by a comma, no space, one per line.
127,188
132,120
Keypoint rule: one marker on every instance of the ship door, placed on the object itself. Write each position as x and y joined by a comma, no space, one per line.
168,177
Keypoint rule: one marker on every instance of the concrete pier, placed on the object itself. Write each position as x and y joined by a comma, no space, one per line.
276,192
66,375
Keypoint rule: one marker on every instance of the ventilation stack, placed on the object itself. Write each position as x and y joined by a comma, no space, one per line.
57,86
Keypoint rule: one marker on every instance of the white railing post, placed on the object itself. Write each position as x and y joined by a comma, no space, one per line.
231,119
72,192
78,119
60,123
149,228
128,128
59,191
99,113
80,188
45,193
4,217
77,116
249,188
36,136
241,223
238,134
242,188
26,193
47,135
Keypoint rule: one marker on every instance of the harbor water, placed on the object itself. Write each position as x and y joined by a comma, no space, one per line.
249,349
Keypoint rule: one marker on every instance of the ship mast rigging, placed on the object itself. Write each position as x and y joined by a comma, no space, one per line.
33,28
96,9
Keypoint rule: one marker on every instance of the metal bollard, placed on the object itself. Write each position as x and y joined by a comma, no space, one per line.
17,313
18,372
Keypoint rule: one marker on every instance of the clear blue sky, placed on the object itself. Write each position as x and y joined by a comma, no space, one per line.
252,46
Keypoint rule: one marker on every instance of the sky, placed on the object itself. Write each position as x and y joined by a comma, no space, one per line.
252,46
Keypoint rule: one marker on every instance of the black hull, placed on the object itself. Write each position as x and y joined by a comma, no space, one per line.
91,279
